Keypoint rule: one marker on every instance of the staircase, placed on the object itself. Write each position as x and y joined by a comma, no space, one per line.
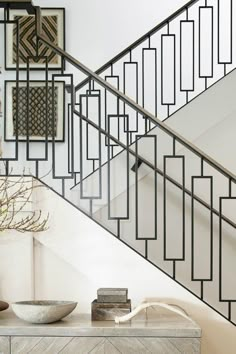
117,161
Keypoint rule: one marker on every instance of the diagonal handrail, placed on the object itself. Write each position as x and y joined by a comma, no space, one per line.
178,137
138,42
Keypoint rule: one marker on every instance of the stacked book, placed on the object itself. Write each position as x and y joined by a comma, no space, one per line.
110,302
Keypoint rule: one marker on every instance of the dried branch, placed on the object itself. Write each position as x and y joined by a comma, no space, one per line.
15,200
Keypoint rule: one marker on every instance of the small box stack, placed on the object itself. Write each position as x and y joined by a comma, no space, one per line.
110,302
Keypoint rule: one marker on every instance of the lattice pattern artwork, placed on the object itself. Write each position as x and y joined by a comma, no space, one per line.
39,109
27,39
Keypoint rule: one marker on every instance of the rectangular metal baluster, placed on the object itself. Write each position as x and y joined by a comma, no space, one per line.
225,31
27,112
69,167
168,70
187,56
81,145
206,42
70,114
71,138
111,102
44,138
173,252
202,272
93,136
226,253
87,156
149,80
17,90
112,214
131,87
63,187
141,232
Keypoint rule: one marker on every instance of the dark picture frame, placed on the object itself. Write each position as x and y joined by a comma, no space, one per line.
43,102
53,24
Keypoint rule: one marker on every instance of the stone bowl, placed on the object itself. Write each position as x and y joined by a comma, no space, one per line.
43,311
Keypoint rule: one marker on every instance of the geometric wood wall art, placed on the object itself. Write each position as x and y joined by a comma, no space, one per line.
53,26
40,111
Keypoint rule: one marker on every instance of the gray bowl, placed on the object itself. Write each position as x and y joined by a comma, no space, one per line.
43,311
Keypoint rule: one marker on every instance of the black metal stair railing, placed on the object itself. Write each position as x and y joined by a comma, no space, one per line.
176,60
174,208
173,63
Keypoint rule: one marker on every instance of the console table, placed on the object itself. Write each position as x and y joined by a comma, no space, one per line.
76,334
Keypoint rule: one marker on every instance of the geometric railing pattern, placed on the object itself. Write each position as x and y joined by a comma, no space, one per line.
171,64
176,60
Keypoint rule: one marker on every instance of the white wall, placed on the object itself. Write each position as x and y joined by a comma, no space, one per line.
225,134
98,30
16,271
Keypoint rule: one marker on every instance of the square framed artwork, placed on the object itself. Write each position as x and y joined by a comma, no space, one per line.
44,104
53,26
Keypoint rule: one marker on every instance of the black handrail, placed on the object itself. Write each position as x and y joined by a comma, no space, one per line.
138,41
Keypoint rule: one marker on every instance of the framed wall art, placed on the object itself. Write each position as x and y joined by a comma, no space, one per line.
40,110
53,26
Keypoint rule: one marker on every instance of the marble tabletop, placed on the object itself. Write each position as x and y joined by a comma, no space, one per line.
144,325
